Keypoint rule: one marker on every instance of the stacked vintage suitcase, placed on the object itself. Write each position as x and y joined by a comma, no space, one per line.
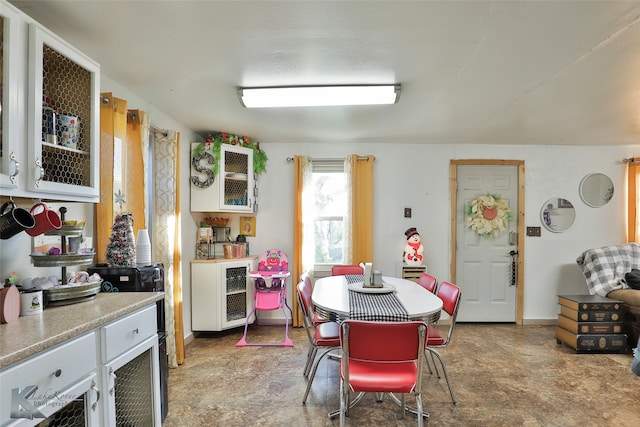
591,324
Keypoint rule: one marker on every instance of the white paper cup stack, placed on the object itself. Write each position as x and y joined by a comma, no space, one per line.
143,248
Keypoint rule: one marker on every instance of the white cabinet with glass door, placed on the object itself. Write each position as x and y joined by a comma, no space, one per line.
221,294
50,149
63,119
231,189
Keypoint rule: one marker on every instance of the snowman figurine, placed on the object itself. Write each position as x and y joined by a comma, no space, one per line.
413,251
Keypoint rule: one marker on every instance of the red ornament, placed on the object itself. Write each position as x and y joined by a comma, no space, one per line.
489,213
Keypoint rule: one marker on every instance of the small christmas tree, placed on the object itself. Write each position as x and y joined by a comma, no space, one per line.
121,250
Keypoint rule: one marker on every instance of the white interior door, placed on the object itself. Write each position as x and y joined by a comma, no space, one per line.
484,267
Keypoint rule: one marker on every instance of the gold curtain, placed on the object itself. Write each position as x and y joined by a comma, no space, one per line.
362,207
113,130
134,177
168,246
298,236
633,199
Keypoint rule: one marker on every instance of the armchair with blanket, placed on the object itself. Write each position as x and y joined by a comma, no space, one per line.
604,270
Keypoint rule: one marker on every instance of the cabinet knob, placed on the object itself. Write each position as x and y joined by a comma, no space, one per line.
136,331
57,373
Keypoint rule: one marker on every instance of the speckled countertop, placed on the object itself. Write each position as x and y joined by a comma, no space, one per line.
32,334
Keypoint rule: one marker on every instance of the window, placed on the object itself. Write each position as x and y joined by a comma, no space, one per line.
330,208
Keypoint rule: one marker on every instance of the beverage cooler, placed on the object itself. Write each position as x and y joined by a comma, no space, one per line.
142,279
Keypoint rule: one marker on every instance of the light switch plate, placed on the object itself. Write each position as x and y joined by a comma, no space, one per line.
534,231
407,212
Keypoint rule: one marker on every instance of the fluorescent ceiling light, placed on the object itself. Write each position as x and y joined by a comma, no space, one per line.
318,96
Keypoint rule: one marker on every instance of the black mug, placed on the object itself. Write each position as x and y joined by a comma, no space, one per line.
14,220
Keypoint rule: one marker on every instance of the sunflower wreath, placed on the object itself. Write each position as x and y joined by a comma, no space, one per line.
488,215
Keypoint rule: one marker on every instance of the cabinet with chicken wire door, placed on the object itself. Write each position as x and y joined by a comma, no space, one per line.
231,189
131,373
221,294
50,149
63,119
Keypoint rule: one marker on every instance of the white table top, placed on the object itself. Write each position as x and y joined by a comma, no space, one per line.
331,298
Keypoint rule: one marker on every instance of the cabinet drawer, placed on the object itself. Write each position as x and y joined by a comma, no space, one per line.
121,335
51,371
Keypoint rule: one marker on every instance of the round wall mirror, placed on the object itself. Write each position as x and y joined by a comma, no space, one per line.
596,190
557,215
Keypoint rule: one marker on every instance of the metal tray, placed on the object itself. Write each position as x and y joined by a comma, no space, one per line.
68,292
67,230
62,260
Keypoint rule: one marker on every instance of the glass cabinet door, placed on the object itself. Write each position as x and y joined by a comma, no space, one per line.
236,178
63,118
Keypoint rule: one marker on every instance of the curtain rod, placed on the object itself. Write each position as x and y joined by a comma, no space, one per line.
290,159
632,160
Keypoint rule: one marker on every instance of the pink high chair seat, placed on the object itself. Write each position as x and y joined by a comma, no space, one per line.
270,282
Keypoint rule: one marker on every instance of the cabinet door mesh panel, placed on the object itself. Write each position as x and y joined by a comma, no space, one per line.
236,293
134,397
72,415
235,181
66,120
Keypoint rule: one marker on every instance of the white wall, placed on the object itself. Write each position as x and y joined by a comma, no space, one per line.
417,176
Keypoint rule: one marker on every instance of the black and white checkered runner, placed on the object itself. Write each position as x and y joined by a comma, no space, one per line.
375,307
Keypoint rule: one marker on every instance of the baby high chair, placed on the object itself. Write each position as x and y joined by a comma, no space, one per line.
270,282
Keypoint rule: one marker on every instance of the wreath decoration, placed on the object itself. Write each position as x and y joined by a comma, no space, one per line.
214,142
488,215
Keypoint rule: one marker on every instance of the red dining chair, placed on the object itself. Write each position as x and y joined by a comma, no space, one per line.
381,357
324,336
450,295
428,282
305,277
341,270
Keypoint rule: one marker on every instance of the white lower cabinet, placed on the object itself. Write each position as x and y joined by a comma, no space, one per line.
107,377
221,294
130,371
59,383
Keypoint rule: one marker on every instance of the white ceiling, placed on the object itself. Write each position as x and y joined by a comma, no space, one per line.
491,72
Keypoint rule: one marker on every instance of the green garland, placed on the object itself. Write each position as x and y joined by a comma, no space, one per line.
259,156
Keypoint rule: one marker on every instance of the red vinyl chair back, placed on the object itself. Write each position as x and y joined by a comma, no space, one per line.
381,357
304,289
341,270
450,296
428,282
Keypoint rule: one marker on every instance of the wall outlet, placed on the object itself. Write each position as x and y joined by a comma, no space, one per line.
407,212
534,231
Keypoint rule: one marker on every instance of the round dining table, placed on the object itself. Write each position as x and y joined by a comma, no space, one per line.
331,298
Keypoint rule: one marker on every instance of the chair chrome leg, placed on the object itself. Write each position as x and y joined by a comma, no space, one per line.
313,373
446,375
311,355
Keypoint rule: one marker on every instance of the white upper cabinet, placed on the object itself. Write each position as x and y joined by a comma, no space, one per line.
13,71
50,114
231,187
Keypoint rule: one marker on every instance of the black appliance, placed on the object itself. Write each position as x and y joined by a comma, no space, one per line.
142,279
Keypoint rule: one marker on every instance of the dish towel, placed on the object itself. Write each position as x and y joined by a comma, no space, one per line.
375,307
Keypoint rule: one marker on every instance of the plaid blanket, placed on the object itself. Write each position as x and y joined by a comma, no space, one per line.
375,307
604,268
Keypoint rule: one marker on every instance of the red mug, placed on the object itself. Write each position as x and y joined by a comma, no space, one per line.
46,220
